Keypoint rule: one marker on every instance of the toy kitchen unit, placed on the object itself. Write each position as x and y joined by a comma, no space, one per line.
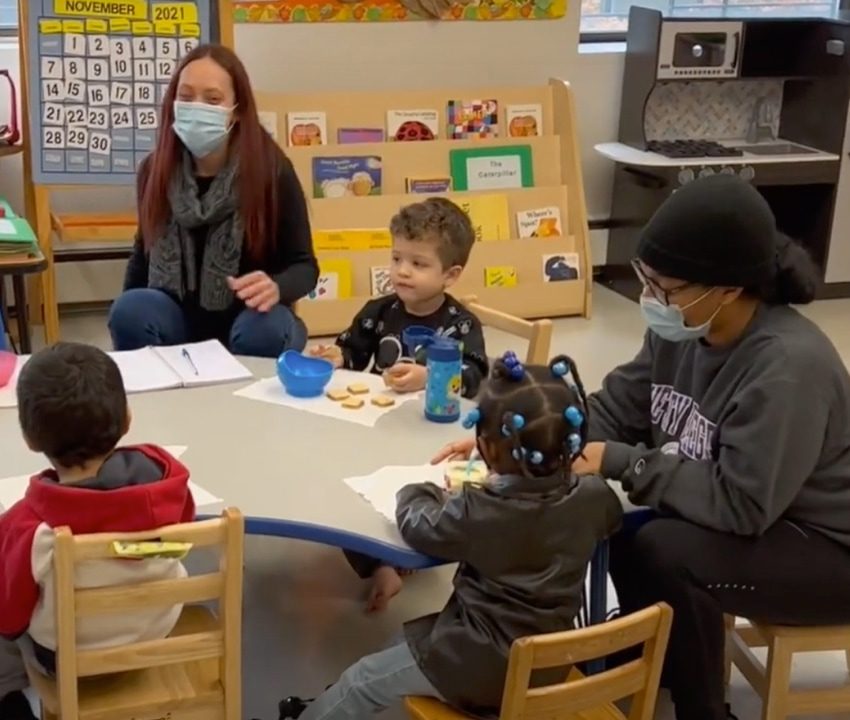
765,99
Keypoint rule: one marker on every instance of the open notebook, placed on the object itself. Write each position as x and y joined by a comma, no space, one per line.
174,366
160,368
14,488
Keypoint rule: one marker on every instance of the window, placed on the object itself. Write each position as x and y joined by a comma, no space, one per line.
606,20
8,17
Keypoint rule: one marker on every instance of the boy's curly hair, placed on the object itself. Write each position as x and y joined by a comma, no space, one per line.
437,220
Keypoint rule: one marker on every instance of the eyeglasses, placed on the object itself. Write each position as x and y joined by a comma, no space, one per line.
659,293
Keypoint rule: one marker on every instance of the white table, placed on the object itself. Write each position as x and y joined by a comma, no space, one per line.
284,468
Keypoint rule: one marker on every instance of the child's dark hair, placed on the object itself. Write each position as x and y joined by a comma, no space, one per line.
71,403
440,220
539,411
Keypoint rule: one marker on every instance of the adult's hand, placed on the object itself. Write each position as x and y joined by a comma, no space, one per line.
590,461
406,377
256,289
458,450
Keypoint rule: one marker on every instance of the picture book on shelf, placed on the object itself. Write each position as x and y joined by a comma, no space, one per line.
539,223
560,266
489,215
413,125
524,120
351,136
491,168
500,276
335,177
380,283
268,120
470,119
306,128
334,280
336,240
429,186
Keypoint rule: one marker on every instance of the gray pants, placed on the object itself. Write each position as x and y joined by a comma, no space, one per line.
12,674
370,685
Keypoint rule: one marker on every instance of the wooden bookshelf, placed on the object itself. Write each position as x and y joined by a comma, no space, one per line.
557,182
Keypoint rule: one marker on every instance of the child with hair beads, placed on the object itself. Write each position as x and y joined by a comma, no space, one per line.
523,540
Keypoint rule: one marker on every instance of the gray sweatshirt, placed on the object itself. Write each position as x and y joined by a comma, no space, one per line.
734,438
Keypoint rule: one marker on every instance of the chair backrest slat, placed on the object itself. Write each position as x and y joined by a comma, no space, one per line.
537,332
152,653
575,646
127,598
638,678
200,534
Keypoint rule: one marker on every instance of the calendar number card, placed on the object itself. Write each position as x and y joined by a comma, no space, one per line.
98,72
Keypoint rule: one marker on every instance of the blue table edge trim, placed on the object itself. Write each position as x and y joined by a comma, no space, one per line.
404,558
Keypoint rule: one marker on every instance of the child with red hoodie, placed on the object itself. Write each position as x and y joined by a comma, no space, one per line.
72,408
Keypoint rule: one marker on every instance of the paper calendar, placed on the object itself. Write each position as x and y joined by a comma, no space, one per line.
99,71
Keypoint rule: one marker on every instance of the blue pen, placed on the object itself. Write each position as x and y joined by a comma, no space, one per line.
185,353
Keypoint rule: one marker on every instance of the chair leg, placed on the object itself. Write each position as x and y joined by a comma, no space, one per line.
778,681
847,658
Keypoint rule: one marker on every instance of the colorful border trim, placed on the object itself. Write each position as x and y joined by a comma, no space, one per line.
301,11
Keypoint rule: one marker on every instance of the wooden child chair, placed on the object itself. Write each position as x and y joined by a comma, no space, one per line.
537,332
578,697
192,674
773,682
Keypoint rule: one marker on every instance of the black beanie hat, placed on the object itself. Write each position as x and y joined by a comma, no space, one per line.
717,231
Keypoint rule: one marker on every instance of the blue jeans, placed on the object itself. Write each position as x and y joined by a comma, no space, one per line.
145,316
372,684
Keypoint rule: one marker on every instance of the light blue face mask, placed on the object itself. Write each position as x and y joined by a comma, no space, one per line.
201,127
668,321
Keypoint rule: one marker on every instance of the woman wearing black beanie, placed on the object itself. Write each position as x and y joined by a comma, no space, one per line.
733,422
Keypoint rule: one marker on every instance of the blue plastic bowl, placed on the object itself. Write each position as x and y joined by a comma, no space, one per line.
303,376
416,337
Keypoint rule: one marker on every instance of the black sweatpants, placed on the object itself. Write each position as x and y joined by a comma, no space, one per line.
791,575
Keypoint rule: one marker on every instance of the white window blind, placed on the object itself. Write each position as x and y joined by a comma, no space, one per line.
610,17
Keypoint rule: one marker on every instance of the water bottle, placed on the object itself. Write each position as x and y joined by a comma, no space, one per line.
442,390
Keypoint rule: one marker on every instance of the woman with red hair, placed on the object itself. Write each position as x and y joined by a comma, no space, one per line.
224,247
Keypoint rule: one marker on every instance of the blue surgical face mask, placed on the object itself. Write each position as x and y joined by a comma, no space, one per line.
668,321
201,127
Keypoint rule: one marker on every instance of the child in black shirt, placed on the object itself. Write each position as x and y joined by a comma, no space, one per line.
431,245
432,241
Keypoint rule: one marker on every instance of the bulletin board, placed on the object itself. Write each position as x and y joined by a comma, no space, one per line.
98,70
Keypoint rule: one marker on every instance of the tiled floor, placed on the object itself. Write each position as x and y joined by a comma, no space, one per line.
303,615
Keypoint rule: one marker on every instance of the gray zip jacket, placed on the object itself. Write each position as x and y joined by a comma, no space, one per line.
523,546
734,438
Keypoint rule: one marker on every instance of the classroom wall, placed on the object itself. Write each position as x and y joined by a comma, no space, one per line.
384,56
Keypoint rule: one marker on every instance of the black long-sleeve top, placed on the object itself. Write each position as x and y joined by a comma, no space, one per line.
290,261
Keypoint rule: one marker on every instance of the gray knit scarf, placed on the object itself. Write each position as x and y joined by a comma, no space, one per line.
173,265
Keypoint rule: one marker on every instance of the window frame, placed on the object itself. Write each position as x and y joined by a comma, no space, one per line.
606,36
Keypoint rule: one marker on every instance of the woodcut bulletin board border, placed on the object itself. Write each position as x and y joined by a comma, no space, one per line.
301,11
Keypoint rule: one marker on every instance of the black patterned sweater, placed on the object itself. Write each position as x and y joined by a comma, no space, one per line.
375,337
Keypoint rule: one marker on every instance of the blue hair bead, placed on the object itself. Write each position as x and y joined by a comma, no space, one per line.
536,457
473,417
510,359
517,372
574,416
518,421
575,443
559,369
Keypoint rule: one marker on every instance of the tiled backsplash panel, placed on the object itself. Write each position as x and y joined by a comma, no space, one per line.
710,110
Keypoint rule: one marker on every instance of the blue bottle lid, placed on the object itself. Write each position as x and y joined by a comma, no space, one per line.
444,350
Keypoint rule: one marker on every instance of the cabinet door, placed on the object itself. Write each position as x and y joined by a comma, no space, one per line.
838,259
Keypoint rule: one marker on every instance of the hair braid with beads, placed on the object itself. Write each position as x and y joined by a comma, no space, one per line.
538,411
